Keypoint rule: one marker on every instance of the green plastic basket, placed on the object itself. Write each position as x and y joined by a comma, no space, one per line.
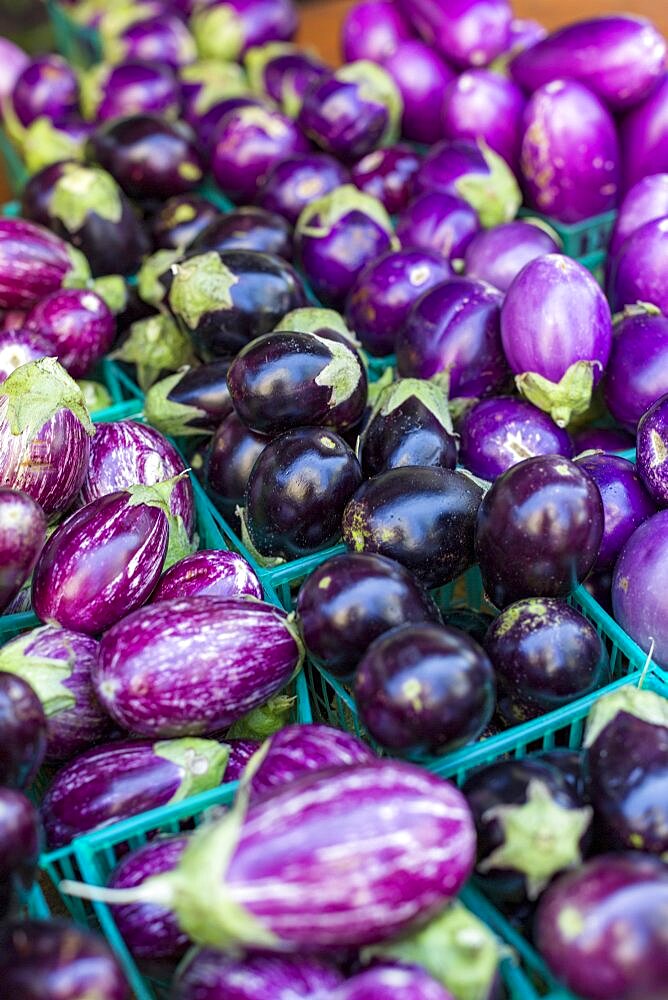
579,239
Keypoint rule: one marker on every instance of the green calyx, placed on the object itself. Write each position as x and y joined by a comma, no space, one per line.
217,81
540,837
341,375
264,721
155,345
257,58
202,763
168,416
79,275
43,144
201,284
179,543
45,675
218,33
646,705
266,562
36,391
159,495
153,267
113,290
635,309
81,191
319,218
495,196
96,396
91,84
376,86
565,399
430,394
530,220
313,319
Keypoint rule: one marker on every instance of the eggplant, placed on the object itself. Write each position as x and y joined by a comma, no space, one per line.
644,137
350,600
289,380
398,982
421,76
530,825
638,272
297,492
22,732
148,156
206,83
381,298
438,221
424,688
149,32
113,782
283,73
422,517
373,29
191,402
607,439
295,181
577,928
233,453
131,87
538,530
22,537
44,431
637,601
245,653
651,451
227,30
46,87
637,373
498,255
241,752
208,573
223,300
247,228
206,125
545,654
34,262
13,61
481,104
409,425
387,175
645,201
180,220
20,845
205,973
466,32
79,326
571,765
497,433
18,346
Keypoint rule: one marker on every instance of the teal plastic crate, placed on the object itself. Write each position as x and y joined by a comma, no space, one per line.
579,239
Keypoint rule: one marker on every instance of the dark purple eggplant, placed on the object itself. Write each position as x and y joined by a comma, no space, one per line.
212,573
410,425
245,653
652,451
131,87
22,537
247,228
34,262
288,380
206,973
424,688
18,346
387,174
283,73
113,782
225,299
234,450
578,928
147,156
350,600
530,826
637,373
297,492
637,599
422,517
545,655
46,87
180,220
22,732
571,765
295,181
438,221
20,845
79,326
538,531
607,439
191,402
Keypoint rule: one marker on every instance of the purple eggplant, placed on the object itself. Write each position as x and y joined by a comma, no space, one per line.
424,688
22,732
619,57
523,33
539,530
132,87
180,220
556,330
241,752
47,87
577,928
474,172
409,425
113,782
465,32
206,125
422,78
224,29
386,174
248,228
645,201
245,653
373,29
530,823
205,973
497,433
44,429
481,104
438,221
125,453
151,33
20,845
283,73
79,326
13,61
455,328
644,137
637,373
191,402
637,601
570,159
352,599
148,156
34,262
22,537
422,517
234,450
225,299
626,502
209,573
652,451
295,181
297,492
380,300
638,274
399,982
288,380
607,439
150,932
545,655
352,111
498,255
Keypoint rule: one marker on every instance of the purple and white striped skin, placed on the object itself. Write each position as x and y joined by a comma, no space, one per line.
194,666
129,88
645,201
12,319
651,450
498,255
295,181
79,325
387,174
58,663
481,104
18,346
570,158
639,605
150,931
440,222
395,981
422,77
112,782
644,137
213,573
163,39
607,439
618,57
46,87
102,562
241,751
637,373
208,974
22,732
499,432
13,61
639,273
465,32
126,453
34,262
22,537
373,29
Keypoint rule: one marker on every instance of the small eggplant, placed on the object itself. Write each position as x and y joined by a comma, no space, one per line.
18,346
191,402
464,32
372,29
247,228
422,78
638,273
47,87
644,137
233,453
180,220
34,262
22,732
79,326
498,255
387,175
226,29
283,73
438,221
295,181
206,972
20,845
637,373
481,104
131,87
651,450
645,201
146,31
22,537
214,573
637,601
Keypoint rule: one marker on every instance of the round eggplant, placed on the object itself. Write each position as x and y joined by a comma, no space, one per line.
297,492
18,346
79,326
438,221
226,30
652,451
180,220
372,29
481,104
637,600
422,517
637,373
206,972
20,845
22,732
191,402
638,272
22,537
295,181
129,88
607,439
422,78
234,451
465,32
424,688
247,228
387,175
539,530
147,31
209,572
498,255
283,73
47,87
646,200
350,600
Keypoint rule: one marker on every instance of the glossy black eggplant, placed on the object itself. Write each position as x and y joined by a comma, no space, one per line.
22,732
195,401
571,765
20,845
233,453
180,221
247,228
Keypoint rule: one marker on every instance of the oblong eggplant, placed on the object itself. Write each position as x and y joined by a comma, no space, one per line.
295,181
110,783
22,537
498,255
644,137
22,732
283,73
34,262
638,604
245,653
229,463
481,104
190,402
350,600
79,326
18,346
180,220
150,31
247,228
20,846
422,517
205,973
212,573
637,373
651,450
645,201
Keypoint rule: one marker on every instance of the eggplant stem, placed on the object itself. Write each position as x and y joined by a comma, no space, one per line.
117,897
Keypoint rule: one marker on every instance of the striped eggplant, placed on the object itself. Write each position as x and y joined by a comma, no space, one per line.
209,572
105,560
79,326
208,974
194,666
18,346
241,752
22,537
194,401
57,663
35,262
391,981
44,431
112,782
22,732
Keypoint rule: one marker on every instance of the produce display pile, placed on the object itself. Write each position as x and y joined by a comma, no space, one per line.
334,508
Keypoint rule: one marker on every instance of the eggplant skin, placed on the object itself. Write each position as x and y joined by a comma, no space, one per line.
207,974
22,536
229,463
23,728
